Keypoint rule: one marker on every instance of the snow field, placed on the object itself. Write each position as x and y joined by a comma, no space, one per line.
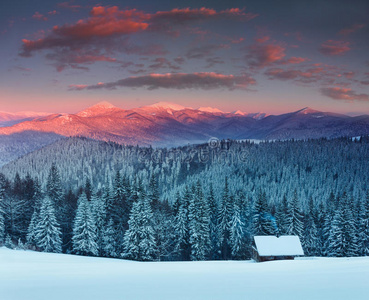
26,275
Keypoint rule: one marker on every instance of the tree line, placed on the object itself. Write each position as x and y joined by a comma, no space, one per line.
132,220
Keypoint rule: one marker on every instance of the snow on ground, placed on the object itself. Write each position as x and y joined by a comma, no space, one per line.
26,275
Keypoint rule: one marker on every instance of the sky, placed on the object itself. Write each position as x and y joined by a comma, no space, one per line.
255,56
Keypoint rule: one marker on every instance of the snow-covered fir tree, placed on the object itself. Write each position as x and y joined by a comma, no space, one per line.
84,229
109,246
199,224
139,239
48,234
237,233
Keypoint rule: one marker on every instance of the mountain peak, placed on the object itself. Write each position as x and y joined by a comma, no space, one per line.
167,105
103,105
96,109
307,110
210,109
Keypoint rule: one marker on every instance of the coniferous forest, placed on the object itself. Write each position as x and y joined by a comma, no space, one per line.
199,202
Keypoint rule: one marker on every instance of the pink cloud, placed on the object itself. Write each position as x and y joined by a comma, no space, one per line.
294,60
183,15
263,55
39,17
262,39
331,47
346,94
310,75
351,29
70,6
202,80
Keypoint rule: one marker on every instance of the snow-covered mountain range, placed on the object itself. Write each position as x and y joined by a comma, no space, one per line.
9,119
169,124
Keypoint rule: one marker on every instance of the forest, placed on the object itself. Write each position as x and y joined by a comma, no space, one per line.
198,202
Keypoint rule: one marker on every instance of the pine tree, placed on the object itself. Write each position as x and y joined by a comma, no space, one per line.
294,217
262,220
99,215
237,235
336,241
84,230
48,234
31,232
132,237
2,217
148,241
109,247
54,186
363,228
214,248
8,242
199,225
182,245
139,239
224,221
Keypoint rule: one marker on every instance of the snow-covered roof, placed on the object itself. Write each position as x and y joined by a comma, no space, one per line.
287,245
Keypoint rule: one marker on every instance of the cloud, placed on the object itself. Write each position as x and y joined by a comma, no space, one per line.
204,51
212,61
351,29
107,29
307,76
161,62
103,27
73,60
346,94
39,17
331,47
69,6
263,55
179,60
294,60
203,80
365,82
185,15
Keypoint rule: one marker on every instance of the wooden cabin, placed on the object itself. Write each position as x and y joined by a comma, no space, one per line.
268,248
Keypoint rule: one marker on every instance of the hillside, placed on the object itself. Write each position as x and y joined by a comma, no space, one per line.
43,276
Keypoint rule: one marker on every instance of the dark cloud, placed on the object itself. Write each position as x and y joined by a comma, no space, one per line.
263,55
212,61
204,51
107,29
161,62
307,76
331,47
204,80
351,29
346,94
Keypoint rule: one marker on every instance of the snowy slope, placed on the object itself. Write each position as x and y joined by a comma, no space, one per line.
44,276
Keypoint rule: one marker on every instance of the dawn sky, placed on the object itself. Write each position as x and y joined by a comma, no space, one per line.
270,56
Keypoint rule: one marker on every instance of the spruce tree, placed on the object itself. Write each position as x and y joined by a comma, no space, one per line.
109,246
2,218
84,229
224,221
139,239
237,234
48,234
294,217
99,215
262,219
199,225
31,232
